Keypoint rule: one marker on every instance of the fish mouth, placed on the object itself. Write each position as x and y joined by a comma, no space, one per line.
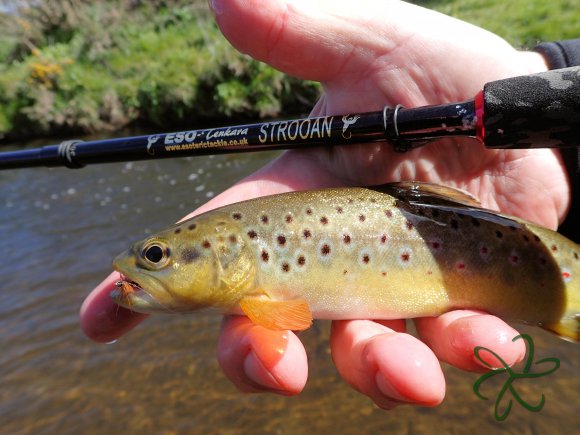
134,296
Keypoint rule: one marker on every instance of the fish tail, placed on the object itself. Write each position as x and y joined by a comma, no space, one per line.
568,327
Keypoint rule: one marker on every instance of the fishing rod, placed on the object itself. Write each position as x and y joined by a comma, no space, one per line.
534,111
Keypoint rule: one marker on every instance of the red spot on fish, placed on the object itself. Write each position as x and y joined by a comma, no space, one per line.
429,272
252,234
264,219
384,239
285,267
362,218
323,220
301,260
339,209
346,239
288,218
461,266
233,239
388,213
405,256
206,244
265,256
436,245
514,259
484,250
554,248
307,234
384,273
409,225
325,250
566,275
281,240
365,259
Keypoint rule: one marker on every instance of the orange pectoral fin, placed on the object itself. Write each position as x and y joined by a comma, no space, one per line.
294,315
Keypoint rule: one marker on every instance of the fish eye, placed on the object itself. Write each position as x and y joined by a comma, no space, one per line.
155,254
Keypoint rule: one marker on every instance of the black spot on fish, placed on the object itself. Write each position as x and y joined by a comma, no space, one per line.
575,255
189,255
361,218
192,227
307,234
344,272
420,212
281,240
373,200
339,210
499,234
265,256
325,249
177,230
435,213
285,267
383,239
366,259
388,213
536,238
346,239
288,218
237,216
405,256
554,248
454,224
409,225
513,228
308,211
350,201
206,244
526,238
475,222
301,260
252,234
323,220
264,219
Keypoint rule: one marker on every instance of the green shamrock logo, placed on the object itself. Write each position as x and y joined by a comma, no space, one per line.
509,385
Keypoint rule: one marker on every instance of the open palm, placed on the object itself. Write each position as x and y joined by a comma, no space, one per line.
368,55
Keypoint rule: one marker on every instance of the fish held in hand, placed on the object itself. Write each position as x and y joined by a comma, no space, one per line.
402,250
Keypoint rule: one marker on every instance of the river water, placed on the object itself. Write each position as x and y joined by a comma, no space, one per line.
59,231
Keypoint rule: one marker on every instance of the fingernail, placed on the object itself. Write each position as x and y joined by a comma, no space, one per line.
258,373
216,6
388,390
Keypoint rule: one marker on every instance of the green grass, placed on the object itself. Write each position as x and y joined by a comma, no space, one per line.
523,23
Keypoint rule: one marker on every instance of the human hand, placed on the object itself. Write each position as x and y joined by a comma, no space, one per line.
368,55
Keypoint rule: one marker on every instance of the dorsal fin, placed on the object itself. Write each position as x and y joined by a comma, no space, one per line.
413,191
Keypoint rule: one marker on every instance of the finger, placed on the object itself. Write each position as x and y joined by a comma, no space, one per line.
390,367
336,43
259,360
101,319
453,337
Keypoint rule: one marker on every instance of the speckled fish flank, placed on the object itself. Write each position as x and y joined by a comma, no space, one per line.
397,251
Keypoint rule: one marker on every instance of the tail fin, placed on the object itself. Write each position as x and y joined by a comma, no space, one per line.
568,328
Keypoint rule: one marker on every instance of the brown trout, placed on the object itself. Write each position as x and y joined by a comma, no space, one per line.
402,250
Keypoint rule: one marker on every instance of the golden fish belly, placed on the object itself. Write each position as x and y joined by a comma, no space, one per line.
360,253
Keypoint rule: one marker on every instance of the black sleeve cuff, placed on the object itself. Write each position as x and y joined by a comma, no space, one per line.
560,54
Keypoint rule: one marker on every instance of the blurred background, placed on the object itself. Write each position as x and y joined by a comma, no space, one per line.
114,68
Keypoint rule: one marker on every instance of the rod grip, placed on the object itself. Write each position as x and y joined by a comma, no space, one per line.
534,111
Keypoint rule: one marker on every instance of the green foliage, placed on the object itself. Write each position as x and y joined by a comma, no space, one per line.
71,66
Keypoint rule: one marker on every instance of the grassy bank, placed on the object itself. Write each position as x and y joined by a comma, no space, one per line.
79,66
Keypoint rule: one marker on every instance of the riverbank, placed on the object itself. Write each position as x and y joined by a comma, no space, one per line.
75,67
